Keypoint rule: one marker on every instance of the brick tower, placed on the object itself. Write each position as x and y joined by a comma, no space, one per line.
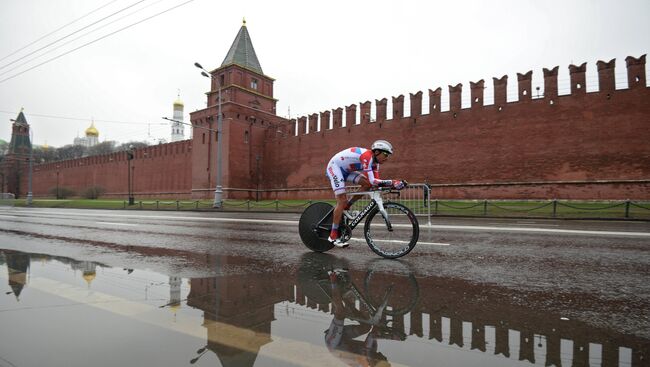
15,162
248,108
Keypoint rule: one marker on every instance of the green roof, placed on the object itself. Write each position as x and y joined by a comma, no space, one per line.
242,52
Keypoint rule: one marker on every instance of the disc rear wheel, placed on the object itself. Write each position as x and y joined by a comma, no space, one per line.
313,235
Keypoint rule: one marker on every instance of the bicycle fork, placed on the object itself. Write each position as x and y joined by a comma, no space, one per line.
384,213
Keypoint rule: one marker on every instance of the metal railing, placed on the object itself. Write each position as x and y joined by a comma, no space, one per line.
626,209
7,199
415,196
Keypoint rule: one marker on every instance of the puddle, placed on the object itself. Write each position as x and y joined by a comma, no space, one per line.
61,311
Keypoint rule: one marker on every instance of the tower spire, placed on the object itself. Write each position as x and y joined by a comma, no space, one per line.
242,52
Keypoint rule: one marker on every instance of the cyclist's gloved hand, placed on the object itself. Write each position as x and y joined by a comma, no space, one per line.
386,183
399,184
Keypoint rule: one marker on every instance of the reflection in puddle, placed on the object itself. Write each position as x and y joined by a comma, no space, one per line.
322,313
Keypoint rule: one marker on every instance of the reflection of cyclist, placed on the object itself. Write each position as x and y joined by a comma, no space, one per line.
359,166
340,338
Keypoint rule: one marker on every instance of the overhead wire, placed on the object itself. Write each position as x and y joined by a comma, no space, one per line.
96,40
58,29
77,38
70,34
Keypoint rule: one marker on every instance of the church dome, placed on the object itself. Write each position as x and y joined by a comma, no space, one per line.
178,102
92,131
89,277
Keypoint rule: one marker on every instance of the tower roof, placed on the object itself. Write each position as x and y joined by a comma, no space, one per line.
20,120
242,52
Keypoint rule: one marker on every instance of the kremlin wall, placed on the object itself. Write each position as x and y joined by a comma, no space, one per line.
583,145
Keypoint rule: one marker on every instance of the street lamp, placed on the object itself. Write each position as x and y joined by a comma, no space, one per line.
31,159
57,182
129,157
218,192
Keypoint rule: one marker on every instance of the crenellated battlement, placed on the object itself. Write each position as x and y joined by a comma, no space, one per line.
367,113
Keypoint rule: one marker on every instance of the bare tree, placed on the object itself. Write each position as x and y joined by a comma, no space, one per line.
71,152
105,147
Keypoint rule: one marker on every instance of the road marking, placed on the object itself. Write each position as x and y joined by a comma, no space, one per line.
118,224
540,230
8,216
294,222
400,241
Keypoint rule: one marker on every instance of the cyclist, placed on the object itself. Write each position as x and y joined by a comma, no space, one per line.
343,340
358,166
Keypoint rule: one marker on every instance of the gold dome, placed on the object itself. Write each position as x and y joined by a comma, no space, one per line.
89,277
92,131
178,102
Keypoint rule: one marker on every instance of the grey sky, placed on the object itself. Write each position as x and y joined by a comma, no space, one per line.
323,55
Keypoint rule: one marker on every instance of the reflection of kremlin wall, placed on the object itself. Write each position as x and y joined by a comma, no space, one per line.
575,146
239,310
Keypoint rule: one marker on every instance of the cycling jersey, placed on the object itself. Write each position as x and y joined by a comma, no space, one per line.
349,164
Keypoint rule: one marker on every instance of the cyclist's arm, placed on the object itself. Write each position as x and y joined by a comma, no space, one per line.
373,176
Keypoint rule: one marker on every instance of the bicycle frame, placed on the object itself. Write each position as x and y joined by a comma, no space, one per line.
376,200
376,313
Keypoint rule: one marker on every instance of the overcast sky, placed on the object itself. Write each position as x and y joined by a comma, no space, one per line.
323,55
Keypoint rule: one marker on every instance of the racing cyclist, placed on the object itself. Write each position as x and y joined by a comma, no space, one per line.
359,166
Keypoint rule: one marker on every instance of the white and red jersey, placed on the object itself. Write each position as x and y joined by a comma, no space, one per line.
357,159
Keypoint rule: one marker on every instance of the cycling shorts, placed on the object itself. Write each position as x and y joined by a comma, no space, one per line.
338,177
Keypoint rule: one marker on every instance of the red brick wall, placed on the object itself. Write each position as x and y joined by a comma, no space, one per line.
159,171
562,147
578,146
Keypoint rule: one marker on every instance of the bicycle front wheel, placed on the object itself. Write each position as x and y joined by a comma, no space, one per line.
400,239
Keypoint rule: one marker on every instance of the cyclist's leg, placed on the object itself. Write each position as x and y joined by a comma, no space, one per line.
337,180
359,179
341,202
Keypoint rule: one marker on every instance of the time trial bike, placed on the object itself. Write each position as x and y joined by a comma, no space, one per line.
391,229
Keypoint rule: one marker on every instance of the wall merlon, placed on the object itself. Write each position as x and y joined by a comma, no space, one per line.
606,79
455,92
338,118
398,107
500,91
382,106
350,115
434,100
635,72
525,85
313,123
416,104
365,108
294,127
578,79
550,82
302,125
325,120
476,91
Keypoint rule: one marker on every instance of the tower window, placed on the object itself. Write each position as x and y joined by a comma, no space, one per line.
246,137
254,83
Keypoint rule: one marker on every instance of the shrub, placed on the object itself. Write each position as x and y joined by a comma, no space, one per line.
94,192
64,192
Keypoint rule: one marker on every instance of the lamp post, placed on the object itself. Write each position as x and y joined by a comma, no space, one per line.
129,157
31,159
57,182
218,192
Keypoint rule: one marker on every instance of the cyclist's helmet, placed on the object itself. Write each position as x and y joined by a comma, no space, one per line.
382,145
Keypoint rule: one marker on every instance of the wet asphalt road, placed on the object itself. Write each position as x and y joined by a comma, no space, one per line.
169,288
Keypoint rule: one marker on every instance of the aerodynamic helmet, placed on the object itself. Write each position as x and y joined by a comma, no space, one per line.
382,145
